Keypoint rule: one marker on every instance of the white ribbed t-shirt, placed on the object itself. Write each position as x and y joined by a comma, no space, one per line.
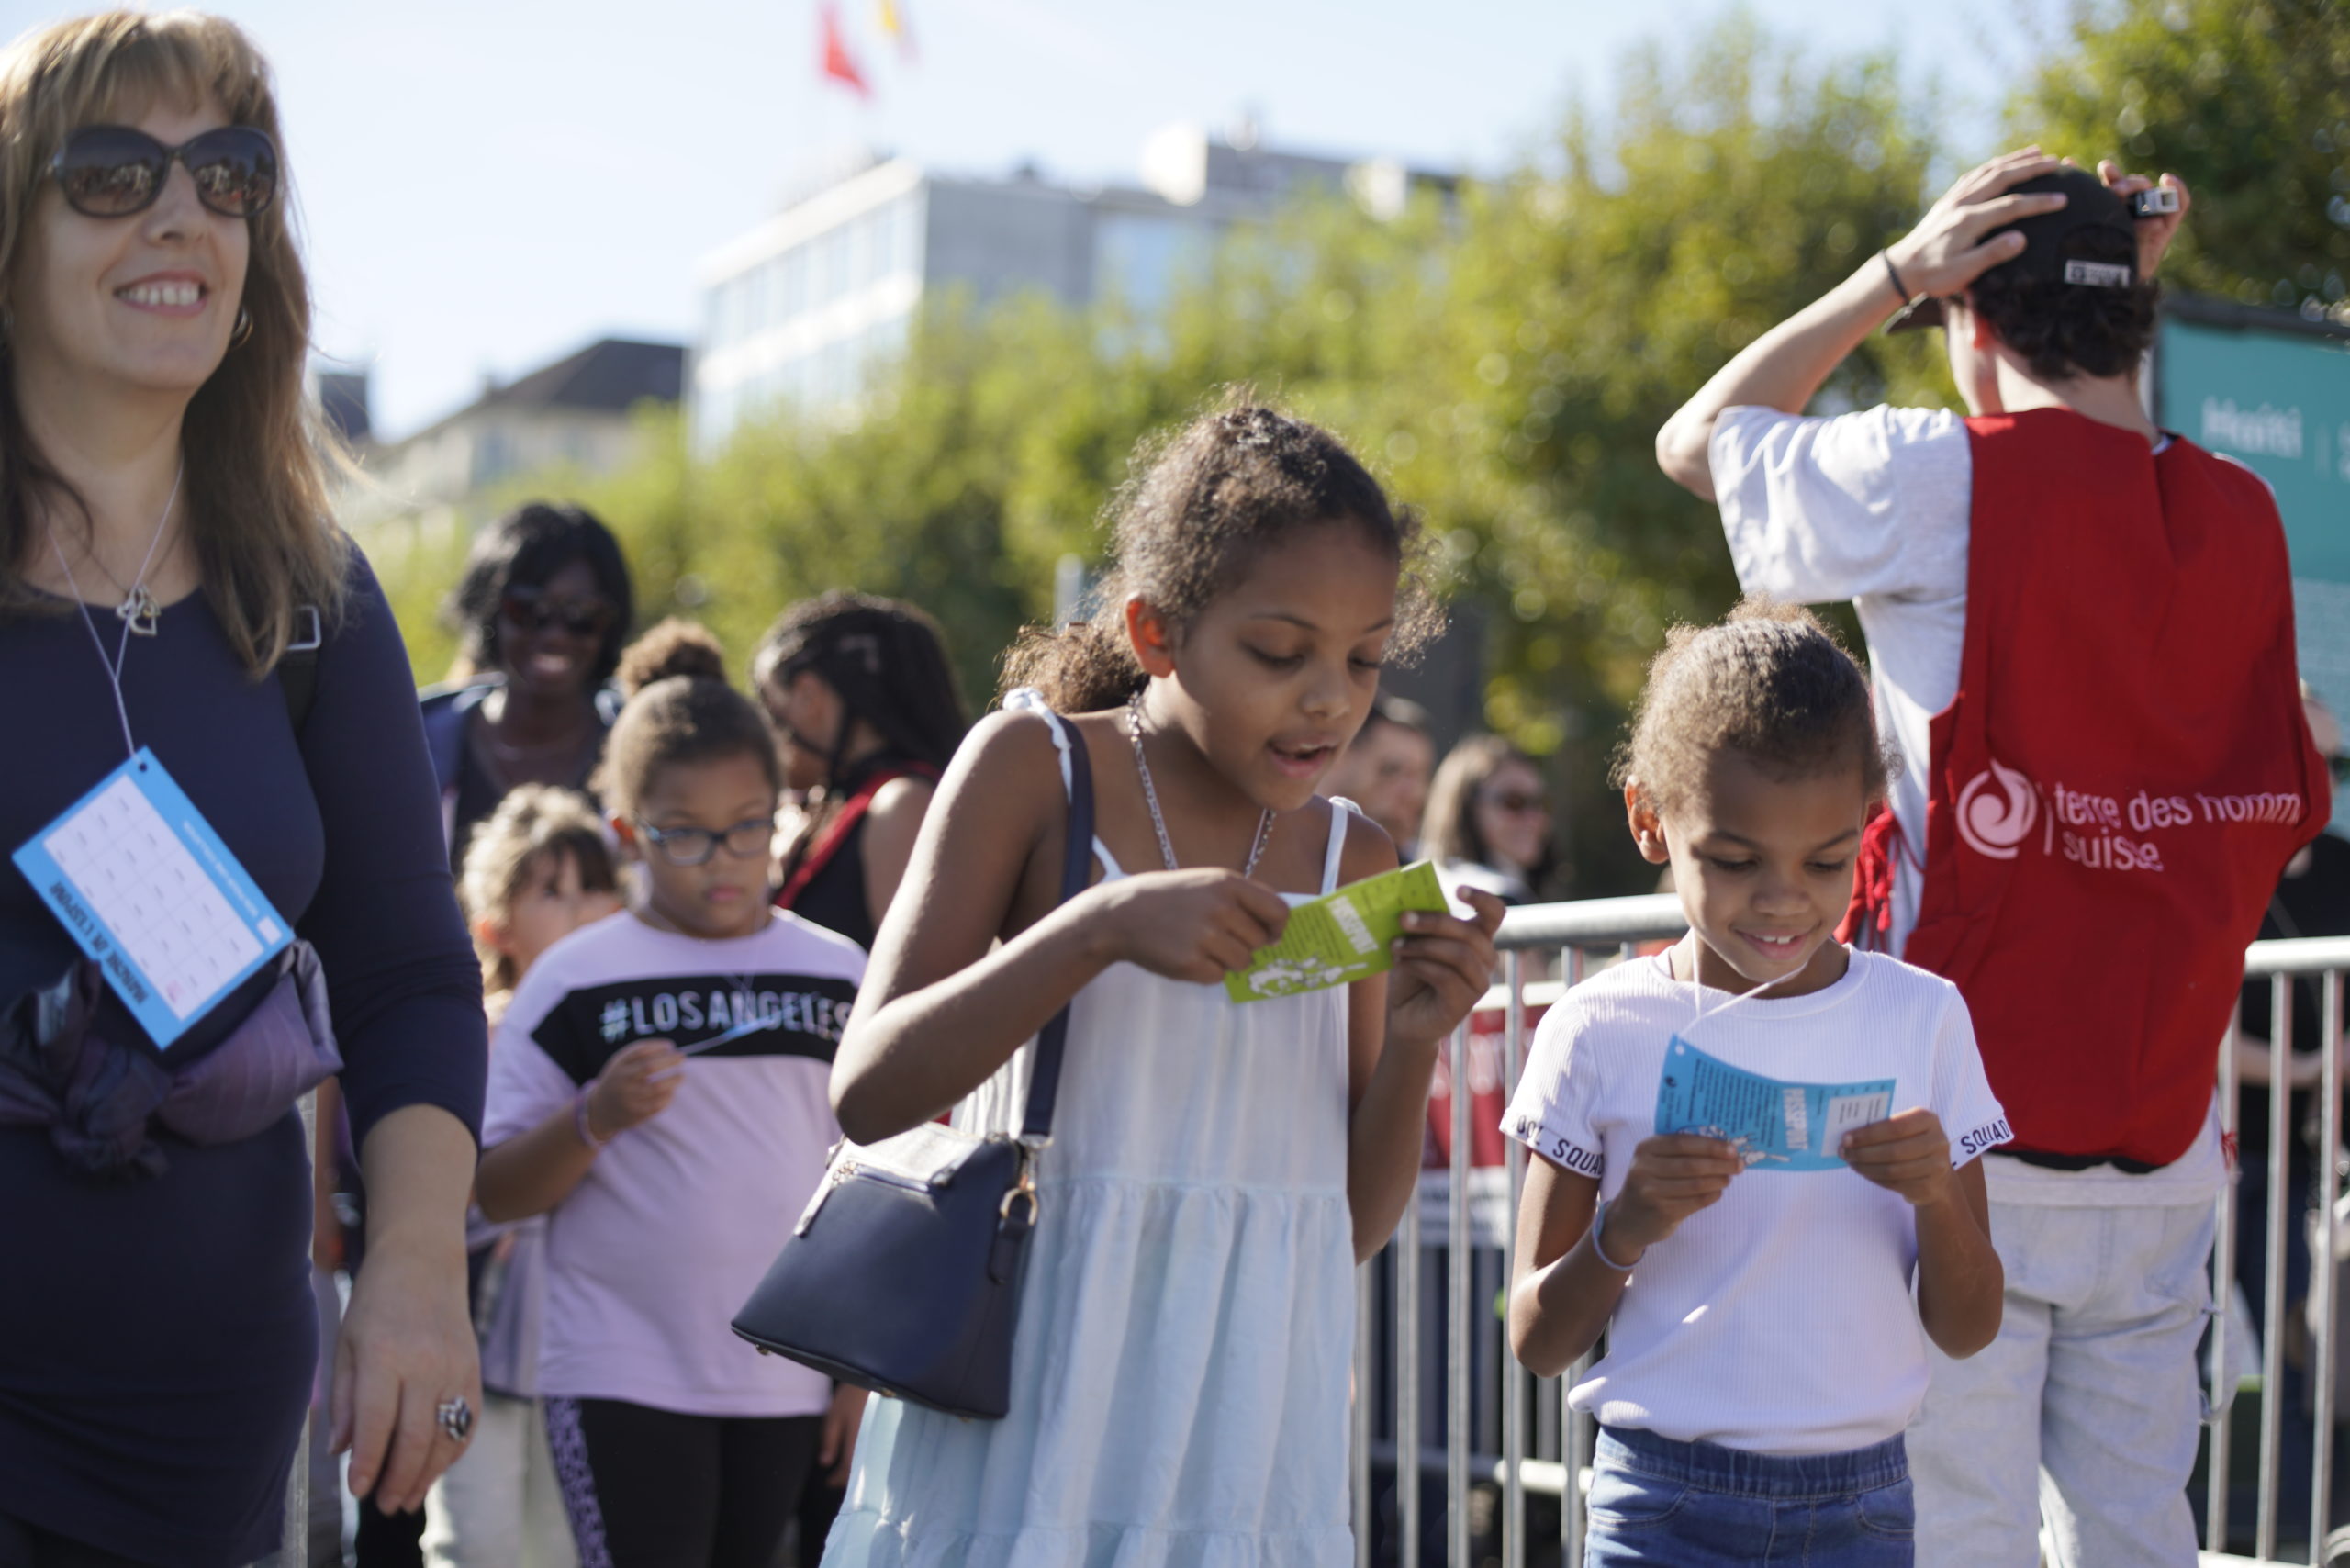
1780,1320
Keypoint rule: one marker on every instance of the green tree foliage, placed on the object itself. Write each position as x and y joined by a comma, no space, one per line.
1503,359
2248,101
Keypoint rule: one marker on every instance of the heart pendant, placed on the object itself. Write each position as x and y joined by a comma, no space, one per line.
139,612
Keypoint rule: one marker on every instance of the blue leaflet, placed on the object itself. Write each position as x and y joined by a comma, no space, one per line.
146,887
1777,1125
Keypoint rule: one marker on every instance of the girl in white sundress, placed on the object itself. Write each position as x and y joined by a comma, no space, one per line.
1180,1377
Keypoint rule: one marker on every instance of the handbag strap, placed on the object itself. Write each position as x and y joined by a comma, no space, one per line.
1077,862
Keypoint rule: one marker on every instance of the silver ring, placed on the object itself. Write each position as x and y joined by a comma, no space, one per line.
455,1418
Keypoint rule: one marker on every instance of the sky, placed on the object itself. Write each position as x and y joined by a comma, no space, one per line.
485,186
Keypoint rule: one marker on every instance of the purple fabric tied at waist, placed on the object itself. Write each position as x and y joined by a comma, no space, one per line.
104,1100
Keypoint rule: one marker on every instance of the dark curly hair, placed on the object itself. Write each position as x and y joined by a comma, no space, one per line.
2066,329
884,660
525,549
680,708
1206,504
1770,681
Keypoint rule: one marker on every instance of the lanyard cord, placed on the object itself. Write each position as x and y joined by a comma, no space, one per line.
114,666
1702,1011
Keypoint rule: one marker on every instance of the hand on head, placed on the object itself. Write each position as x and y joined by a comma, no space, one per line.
1948,250
2154,234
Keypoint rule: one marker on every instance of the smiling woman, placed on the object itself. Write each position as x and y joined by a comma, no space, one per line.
173,588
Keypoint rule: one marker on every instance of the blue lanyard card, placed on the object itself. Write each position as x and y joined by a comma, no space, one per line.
146,887
1776,1126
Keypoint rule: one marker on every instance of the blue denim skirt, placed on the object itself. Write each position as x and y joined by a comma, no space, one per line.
1654,1501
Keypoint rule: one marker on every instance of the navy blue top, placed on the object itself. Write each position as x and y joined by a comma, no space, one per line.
157,1339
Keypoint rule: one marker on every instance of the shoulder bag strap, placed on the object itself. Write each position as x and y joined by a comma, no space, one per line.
1044,1073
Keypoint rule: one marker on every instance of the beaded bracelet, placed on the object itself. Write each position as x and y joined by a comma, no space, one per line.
579,1121
1599,1218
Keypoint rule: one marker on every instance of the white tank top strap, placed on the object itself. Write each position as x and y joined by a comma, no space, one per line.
1027,699
1340,810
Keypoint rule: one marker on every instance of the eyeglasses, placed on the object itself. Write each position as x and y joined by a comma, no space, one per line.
114,171
524,609
747,839
1514,804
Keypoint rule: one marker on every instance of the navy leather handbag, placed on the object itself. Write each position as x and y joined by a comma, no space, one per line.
903,1274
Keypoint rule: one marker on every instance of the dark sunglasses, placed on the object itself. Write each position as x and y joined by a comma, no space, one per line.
113,171
2339,768
527,611
1511,803
694,845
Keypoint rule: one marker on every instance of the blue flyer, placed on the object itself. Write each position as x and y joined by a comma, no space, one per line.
146,887
1776,1126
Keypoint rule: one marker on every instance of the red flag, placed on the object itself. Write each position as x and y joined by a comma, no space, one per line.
837,62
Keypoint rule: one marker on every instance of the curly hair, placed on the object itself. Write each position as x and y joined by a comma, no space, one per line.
680,709
525,549
535,828
1772,682
2065,330
1206,504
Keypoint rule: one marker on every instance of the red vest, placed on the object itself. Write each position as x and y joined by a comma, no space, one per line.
2119,782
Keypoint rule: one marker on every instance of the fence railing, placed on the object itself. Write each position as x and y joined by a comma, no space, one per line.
1461,1456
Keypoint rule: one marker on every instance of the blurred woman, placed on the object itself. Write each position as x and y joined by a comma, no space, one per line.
544,607
862,697
1488,823
171,586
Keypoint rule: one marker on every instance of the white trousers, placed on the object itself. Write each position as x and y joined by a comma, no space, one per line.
499,1507
2086,1411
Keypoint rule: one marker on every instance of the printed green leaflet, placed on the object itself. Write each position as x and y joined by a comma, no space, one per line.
1342,937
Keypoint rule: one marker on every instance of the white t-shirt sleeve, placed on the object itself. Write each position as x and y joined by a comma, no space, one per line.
1873,504
1971,1114
1552,1114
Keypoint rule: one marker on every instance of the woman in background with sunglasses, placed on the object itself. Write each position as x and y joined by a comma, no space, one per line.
544,607
172,584
1488,822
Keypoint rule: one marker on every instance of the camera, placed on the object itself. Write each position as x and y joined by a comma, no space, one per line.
2156,202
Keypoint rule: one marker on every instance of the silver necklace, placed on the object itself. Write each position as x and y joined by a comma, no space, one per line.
129,617
1150,794
140,615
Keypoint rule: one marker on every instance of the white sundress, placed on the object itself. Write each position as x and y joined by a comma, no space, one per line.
1180,1375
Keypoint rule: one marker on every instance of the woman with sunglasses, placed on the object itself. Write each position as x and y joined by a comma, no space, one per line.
171,584
543,608
1488,822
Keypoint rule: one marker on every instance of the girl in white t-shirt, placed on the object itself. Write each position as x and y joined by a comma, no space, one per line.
657,1090
1752,1144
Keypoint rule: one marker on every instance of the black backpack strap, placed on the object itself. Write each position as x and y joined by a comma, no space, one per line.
297,667
1077,866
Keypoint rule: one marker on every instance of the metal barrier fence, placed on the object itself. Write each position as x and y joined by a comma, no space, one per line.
1513,1459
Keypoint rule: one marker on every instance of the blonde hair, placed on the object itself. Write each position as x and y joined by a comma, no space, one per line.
256,454
532,830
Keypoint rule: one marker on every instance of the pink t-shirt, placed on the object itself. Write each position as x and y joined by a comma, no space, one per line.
652,1255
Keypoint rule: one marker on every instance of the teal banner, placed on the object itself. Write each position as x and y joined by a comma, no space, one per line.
2279,402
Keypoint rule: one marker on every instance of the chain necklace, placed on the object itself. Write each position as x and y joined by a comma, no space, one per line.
1150,794
140,615
129,617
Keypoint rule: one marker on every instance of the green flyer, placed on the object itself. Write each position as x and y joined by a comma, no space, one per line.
1340,937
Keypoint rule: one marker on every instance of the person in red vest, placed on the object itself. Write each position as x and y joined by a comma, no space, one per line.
2081,638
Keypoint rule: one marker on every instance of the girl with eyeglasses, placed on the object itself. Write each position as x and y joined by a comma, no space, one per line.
658,1092
172,583
544,609
1488,822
